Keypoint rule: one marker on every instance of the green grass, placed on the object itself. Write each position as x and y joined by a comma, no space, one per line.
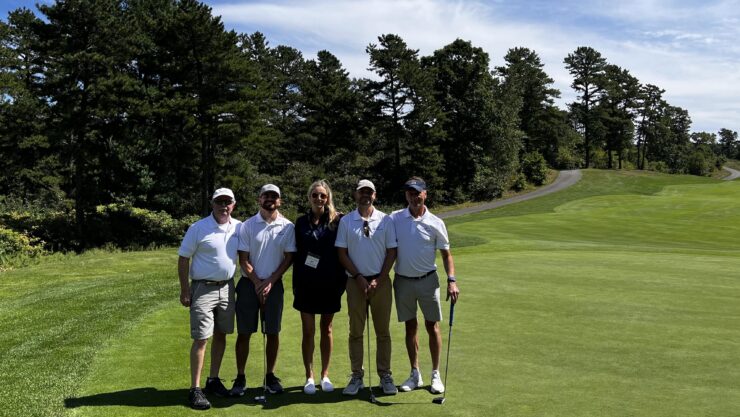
615,297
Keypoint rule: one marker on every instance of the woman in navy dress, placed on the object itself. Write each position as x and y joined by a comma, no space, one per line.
318,279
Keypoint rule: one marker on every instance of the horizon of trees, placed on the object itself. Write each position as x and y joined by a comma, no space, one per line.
153,103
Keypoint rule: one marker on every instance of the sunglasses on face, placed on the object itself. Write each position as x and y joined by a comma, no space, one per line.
317,195
366,228
223,202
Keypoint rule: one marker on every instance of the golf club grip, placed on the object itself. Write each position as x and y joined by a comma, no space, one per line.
452,313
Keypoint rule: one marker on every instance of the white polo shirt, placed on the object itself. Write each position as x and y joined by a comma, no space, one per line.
367,253
418,241
212,248
266,243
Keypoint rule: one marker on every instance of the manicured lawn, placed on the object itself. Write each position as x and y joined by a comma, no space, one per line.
616,297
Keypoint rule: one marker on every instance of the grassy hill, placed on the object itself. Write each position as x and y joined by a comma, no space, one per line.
615,297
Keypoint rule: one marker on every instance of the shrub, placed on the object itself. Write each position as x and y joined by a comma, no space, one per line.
568,159
534,168
16,247
520,182
698,164
126,227
55,228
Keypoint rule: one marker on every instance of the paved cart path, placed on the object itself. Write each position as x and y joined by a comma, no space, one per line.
733,174
564,180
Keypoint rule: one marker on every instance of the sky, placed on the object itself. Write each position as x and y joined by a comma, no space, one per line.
691,49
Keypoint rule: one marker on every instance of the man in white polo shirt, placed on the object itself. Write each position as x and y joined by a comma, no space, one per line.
420,233
212,244
366,243
266,247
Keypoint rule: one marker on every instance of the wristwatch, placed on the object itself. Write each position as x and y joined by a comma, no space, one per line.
451,278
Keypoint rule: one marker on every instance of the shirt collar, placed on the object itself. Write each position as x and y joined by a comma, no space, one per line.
279,220
213,221
407,213
356,216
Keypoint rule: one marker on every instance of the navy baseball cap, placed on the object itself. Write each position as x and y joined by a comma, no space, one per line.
415,183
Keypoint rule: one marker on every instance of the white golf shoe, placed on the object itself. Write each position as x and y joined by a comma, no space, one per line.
413,382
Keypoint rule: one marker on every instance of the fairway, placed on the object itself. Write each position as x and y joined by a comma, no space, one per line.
615,297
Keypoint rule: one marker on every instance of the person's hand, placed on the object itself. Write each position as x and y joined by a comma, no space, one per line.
185,297
452,292
363,285
266,290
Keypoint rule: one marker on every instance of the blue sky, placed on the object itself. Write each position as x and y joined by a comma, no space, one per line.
689,48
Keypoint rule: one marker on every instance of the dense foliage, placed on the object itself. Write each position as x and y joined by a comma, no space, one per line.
152,104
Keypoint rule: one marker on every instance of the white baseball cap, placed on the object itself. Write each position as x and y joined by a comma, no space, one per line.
270,187
223,191
365,184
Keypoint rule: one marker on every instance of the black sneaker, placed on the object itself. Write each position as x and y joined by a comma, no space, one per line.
272,383
239,387
215,386
198,400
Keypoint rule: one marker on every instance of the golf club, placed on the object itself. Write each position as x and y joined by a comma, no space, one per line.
262,399
369,370
441,400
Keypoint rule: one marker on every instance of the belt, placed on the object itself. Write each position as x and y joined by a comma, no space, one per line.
209,282
419,277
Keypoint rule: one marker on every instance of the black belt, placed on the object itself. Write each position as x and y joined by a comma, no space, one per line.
209,282
419,277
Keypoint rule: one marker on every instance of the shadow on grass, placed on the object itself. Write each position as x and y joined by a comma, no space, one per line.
153,397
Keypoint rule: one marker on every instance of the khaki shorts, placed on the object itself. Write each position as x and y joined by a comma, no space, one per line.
424,292
211,307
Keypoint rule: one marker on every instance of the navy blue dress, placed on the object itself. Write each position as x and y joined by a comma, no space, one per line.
317,290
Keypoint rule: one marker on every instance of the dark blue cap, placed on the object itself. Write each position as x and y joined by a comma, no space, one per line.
417,185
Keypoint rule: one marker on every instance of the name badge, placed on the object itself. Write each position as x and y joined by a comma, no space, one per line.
312,260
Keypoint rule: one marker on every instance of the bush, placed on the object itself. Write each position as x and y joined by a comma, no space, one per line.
16,247
658,166
534,168
519,183
698,164
129,227
55,228
568,159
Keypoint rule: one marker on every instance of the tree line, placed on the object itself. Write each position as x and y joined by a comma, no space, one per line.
153,103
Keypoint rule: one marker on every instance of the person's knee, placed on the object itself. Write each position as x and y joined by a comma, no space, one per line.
200,343
411,327
308,332
431,326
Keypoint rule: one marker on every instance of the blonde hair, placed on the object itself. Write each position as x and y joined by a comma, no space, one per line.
329,199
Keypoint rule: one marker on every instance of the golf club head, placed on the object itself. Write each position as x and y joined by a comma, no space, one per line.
260,399
439,400
372,399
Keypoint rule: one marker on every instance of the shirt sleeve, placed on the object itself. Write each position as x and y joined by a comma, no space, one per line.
244,237
341,241
443,241
189,242
390,233
289,244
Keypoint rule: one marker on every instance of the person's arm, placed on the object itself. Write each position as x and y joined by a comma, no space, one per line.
449,265
247,267
183,272
390,257
349,266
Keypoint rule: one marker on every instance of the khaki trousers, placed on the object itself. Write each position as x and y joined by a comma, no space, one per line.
380,310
